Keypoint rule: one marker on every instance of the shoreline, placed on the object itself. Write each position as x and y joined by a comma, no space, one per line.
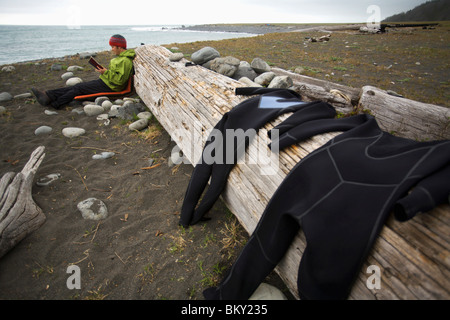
255,29
266,28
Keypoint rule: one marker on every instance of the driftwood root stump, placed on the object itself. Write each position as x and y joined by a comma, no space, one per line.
19,214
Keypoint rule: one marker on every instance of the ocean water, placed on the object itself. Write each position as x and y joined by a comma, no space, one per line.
25,43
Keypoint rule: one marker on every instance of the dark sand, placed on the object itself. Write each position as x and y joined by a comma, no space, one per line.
138,251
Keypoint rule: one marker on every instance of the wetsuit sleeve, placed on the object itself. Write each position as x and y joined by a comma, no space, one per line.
200,177
197,184
312,128
314,111
249,91
426,195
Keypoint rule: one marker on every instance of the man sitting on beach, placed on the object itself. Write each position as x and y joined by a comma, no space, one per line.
113,79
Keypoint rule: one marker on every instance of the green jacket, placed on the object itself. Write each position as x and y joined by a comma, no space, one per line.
119,70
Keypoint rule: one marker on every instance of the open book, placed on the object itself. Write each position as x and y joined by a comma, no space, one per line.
96,65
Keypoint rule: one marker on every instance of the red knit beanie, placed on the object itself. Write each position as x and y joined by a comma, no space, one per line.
118,41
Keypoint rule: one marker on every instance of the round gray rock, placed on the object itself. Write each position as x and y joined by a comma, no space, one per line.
43,130
5,96
92,209
93,110
204,55
138,125
260,66
73,132
73,81
66,76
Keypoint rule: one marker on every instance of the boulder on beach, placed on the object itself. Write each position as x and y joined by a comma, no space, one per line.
260,66
204,55
281,82
226,66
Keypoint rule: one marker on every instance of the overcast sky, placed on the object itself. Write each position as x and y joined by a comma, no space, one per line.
165,12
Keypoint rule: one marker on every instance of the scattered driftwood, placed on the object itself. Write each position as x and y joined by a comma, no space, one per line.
413,256
19,214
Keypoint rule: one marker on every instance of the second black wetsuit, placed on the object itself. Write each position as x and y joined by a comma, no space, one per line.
252,113
340,195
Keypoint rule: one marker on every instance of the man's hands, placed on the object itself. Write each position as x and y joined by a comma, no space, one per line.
100,70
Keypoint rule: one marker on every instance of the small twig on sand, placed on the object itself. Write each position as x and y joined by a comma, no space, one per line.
82,180
148,168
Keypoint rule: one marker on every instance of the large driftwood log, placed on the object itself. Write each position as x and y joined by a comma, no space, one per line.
406,118
414,257
19,214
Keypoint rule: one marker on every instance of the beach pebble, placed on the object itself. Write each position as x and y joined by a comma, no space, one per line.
248,82
103,155
5,96
105,118
265,78
45,181
100,100
119,102
282,82
102,116
78,110
131,99
129,110
174,57
93,110
43,130
74,68
114,111
66,76
56,67
73,81
92,209
204,55
2,110
267,292
260,66
106,105
144,115
23,95
176,157
50,112
138,125
73,132
8,69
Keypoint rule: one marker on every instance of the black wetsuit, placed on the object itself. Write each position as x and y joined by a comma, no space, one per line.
340,195
252,113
